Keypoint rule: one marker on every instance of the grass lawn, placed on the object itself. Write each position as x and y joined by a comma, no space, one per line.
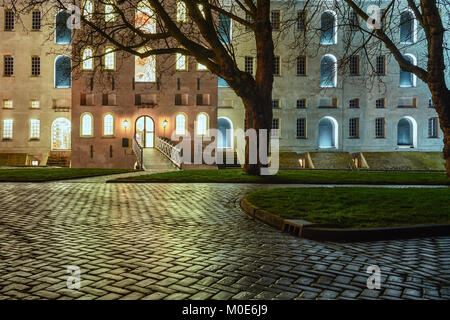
50,174
348,207
295,176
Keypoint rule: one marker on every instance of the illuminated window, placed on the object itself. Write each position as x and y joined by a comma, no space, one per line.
35,104
7,104
88,9
145,18
145,69
181,62
328,71
202,124
108,125
201,67
202,11
110,12
181,11
88,61
329,28
35,129
7,132
110,59
180,124
87,125
61,134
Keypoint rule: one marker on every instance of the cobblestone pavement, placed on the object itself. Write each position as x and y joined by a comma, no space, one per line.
189,241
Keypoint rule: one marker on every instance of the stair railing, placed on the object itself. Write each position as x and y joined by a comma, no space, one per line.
139,152
170,151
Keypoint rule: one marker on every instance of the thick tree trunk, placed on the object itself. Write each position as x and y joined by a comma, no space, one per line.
441,100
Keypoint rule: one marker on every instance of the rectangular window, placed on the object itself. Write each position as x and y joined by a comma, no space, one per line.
301,128
275,132
248,65
181,62
9,20
35,129
35,66
380,127
7,104
181,11
354,65
7,132
301,66
433,126
35,104
276,104
8,69
380,103
275,19
301,104
276,66
381,66
353,128
301,20
36,21
353,103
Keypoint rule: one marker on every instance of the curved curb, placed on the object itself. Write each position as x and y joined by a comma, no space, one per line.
307,230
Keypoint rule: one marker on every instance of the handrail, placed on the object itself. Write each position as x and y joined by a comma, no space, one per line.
171,152
139,152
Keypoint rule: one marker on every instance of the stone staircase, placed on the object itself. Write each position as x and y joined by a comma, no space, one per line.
156,161
331,160
59,159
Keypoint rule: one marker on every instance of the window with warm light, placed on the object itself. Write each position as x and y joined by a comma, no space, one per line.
7,132
88,9
108,125
110,12
35,104
181,62
87,58
201,67
87,125
202,10
145,18
7,104
180,124
110,59
202,124
181,11
35,129
145,69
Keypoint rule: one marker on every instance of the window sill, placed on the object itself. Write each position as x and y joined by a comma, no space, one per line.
302,75
7,139
34,140
302,138
380,137
108,137
353,138
86,137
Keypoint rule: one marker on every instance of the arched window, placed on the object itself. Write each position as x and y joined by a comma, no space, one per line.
407,27
63,35
328,23
145,68
225,137
61,131
63,72
408,79
328,133
108,125
87,58
407,133
110,13
180,124
88,9
181,11
145,19
328,71
109,59
202,124
87,125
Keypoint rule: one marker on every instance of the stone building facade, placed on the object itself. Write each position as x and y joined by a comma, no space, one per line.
35,111
357,109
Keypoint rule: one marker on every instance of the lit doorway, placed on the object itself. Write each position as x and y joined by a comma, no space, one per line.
145,132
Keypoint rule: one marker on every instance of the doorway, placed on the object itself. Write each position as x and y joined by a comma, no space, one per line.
145,132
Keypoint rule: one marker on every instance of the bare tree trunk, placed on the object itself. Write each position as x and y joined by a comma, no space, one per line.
441,100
